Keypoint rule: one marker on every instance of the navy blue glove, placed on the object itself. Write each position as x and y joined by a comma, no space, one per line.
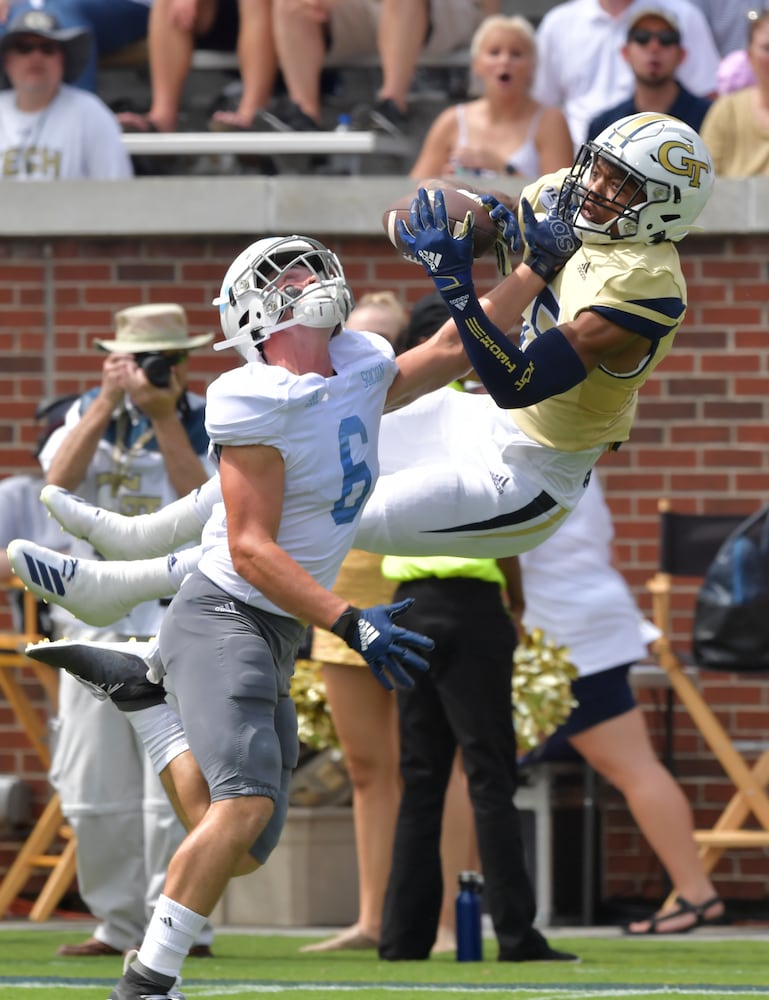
509,238
551,241
447,259
383,645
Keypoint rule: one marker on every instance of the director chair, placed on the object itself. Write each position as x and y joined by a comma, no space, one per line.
51,844
687,545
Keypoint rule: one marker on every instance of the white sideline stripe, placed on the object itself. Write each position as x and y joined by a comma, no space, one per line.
539,991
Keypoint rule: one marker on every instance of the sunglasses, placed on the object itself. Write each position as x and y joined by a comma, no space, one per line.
642,36
45,47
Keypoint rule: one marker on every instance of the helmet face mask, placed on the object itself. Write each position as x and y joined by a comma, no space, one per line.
663,178
257,298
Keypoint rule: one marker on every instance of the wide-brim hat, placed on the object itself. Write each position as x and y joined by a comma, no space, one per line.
76,42
156,327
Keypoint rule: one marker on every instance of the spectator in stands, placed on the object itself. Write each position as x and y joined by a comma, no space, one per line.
503,131
654,52
734,71
114,24
50,130
310,32
736,128
580,66
576,596
727,22
176,28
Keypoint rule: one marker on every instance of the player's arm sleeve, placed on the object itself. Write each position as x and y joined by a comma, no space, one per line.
512,377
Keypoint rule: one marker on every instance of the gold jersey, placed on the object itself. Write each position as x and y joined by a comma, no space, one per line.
638,287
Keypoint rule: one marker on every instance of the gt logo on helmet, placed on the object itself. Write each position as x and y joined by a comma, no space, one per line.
689,166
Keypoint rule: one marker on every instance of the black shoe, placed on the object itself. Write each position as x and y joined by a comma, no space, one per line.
284,116
141,983
538,953
385,116
108,670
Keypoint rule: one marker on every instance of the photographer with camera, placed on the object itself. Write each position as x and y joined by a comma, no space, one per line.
133,444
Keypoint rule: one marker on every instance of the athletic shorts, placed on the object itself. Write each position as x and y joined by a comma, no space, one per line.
600,696
229,666
353,27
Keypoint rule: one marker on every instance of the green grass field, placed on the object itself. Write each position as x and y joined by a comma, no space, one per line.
686,968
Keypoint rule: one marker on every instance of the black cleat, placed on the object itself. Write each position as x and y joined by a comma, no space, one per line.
114,670
140,983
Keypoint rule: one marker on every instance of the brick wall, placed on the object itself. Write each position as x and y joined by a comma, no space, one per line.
701,439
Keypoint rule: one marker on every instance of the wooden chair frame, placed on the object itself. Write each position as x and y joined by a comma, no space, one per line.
42,849
750,781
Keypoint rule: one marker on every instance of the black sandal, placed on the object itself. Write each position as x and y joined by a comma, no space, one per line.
683,907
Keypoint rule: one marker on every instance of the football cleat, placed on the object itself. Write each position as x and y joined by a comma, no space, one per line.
119,537
114,670
140,983
98,593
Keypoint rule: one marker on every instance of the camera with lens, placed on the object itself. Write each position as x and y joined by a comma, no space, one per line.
157,367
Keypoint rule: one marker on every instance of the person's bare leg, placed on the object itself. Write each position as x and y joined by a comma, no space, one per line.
256,56
366,721
299,41
620,750
402,33
171,39
459,850
215,851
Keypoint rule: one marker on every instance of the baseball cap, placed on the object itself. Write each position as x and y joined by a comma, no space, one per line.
654,10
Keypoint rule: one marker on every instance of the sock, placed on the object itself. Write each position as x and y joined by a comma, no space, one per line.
160,730
171,932
182,563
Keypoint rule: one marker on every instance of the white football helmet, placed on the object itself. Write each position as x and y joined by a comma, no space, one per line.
252,306
668,175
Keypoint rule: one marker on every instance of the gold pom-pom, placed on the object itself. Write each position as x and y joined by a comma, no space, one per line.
316,730
542,698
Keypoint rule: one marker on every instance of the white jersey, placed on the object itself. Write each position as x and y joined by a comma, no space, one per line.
128,474
327,430
75,137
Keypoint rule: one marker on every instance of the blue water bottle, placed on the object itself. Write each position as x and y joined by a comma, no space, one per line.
468,914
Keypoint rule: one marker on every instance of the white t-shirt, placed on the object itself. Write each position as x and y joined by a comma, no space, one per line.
580,67
327,431
76,136
576,596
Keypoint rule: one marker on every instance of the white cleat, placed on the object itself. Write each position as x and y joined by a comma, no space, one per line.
117,536
98,593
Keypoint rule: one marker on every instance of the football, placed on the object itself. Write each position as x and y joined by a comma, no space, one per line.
459,201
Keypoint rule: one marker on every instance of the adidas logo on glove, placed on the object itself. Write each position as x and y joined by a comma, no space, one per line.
430,259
